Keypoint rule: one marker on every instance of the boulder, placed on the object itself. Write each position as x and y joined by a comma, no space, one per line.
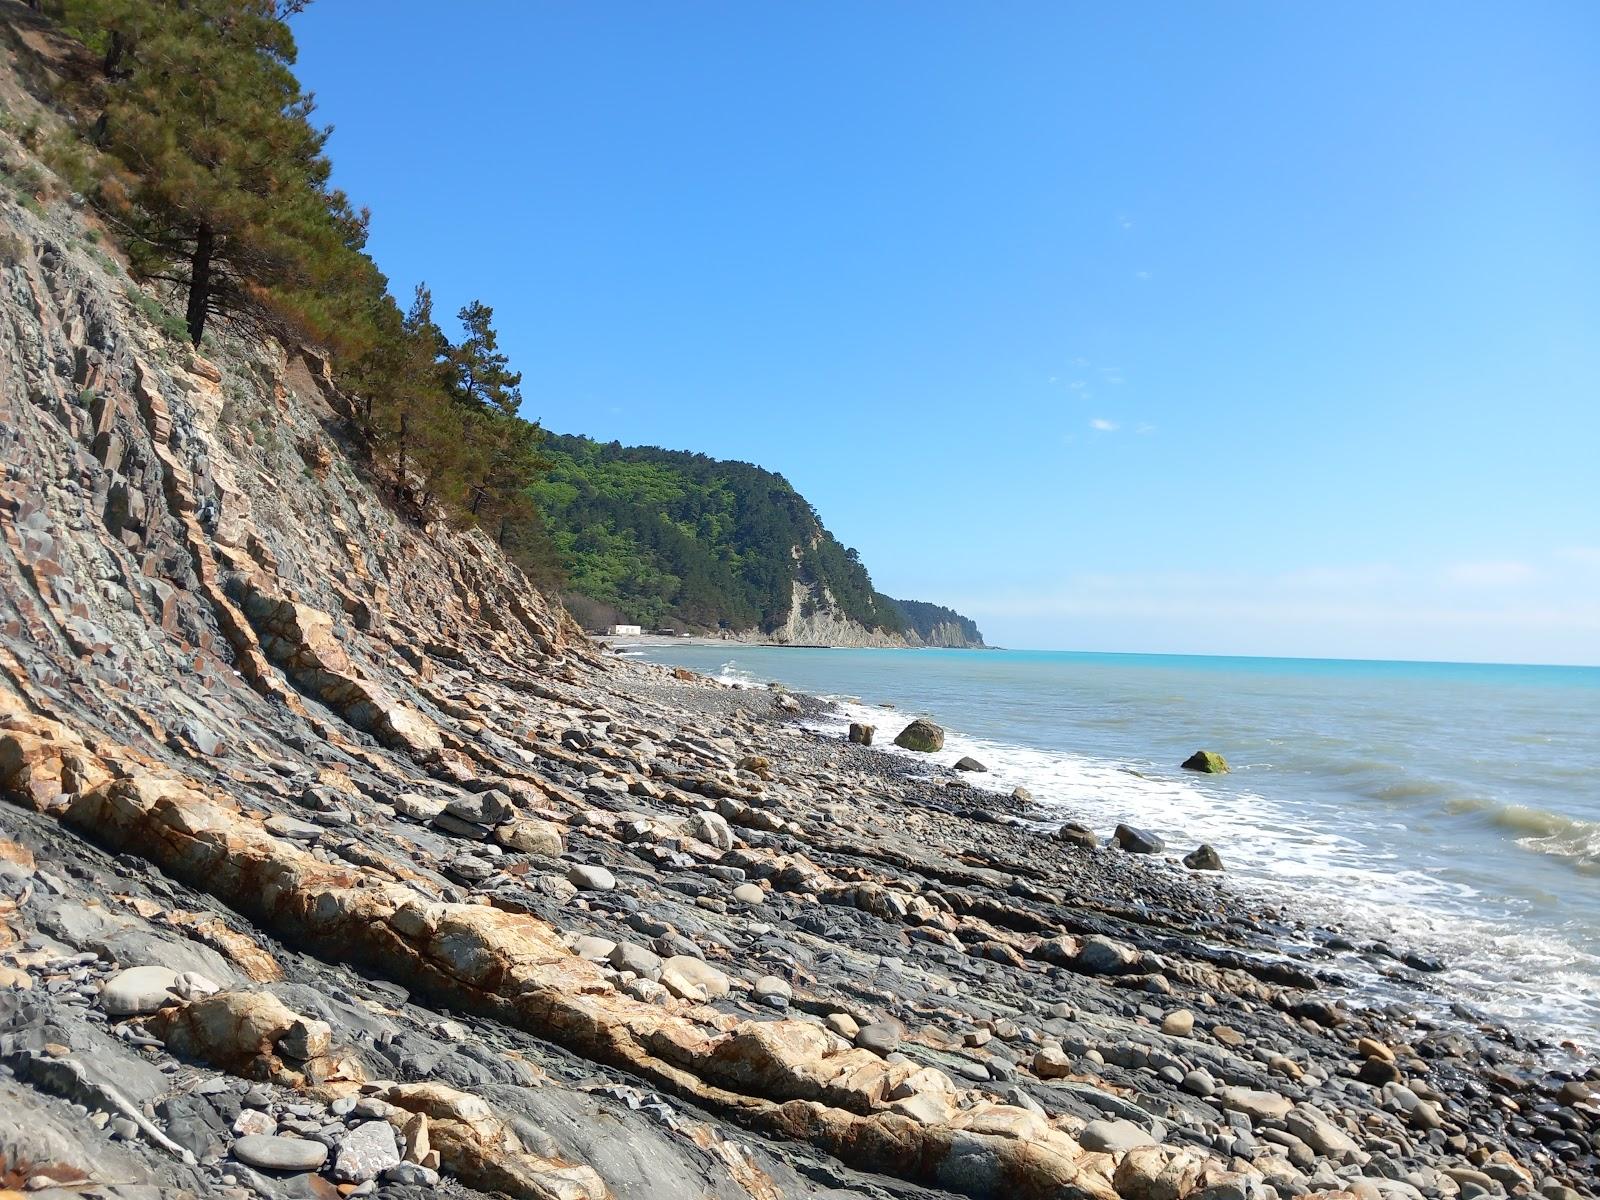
709,828
1102,956
690,978
138,990
769,986
1114,1137
532,836
1254,1103
881,1037
784,702
591,879
417,806
276,1153
1203,858
1157,1173
482,808
1206,762
861,733
1078,835
627,957
1178,1023
1138,841
921,735
968,763
366,1152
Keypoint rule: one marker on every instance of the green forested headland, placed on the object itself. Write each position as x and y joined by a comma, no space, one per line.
189,134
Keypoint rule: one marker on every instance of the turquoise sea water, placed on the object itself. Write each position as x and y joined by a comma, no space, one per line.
1453,808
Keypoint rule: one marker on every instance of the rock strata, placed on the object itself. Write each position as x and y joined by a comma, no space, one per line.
335,861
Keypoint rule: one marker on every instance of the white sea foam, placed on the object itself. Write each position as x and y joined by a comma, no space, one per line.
1273,853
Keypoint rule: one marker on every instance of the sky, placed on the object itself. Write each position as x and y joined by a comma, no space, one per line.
1253,328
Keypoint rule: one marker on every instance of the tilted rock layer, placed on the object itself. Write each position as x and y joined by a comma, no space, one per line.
438,887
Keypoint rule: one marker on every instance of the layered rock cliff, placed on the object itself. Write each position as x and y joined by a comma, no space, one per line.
335,861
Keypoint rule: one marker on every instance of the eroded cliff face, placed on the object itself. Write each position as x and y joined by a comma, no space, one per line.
815,620
225,661
333,857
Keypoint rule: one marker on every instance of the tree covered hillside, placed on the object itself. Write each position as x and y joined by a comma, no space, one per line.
664,536
936,625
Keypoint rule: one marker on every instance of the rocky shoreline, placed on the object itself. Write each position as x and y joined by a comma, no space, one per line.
723,918
334,861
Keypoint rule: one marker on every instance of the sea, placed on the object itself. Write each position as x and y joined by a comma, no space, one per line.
1447,808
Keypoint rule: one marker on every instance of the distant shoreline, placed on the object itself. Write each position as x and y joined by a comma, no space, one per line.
615,640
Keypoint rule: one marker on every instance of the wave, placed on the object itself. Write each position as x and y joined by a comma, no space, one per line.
1570,839
1411,789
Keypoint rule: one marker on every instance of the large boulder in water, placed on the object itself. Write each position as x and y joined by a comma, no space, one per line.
1203,858
921,735
1206,762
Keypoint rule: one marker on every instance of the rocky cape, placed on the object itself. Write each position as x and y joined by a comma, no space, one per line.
335,861
816,620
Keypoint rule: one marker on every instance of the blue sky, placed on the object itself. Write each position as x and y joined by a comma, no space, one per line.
1234,328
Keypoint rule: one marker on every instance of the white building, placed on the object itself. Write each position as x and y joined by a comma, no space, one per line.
625,631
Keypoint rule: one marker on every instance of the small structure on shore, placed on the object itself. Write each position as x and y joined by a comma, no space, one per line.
625,630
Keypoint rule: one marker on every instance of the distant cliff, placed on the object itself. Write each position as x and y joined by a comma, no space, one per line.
667,538
935,625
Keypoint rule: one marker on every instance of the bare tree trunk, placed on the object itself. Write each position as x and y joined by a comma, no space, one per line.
114,53
200,283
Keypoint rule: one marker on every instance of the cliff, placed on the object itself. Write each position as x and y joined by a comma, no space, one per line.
335,862
935,625
669,538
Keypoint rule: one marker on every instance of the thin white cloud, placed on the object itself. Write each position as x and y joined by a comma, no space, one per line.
1102,425
1142,276
1545,609
1124,221
1145,427
1490,574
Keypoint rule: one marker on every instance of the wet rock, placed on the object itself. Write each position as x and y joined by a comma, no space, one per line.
861,733
1078,835
968,763
921,735
1137,841
1203,858
1207,762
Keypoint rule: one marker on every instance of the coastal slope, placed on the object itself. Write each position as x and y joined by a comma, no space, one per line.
335,860
666,538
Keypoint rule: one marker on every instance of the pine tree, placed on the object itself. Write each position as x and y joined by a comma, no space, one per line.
482,376
225,191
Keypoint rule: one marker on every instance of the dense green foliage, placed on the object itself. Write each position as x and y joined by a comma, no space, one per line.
197,145
666,537
927,620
